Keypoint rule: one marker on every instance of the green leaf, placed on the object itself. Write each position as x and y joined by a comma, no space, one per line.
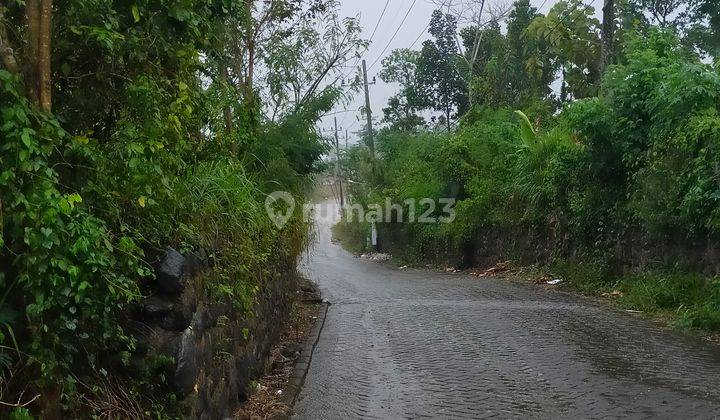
526,129
135,13
25,137
81,139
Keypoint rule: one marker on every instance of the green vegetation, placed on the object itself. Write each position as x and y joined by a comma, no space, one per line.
611,182
686,299
127,127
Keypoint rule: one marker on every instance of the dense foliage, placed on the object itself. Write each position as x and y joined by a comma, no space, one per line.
619,169
168,125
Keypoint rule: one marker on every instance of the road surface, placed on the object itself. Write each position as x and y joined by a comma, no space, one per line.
422,344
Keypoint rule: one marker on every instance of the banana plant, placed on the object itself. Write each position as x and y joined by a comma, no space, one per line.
527,132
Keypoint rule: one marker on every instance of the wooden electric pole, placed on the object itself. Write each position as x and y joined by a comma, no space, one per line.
368,112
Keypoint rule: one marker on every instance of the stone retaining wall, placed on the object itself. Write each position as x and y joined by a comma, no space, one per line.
217,347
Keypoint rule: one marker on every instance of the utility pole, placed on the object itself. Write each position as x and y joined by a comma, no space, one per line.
346,140
337,166
371,144
368,111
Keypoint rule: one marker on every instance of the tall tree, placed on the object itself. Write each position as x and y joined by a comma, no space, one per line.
488,80
697,22
7,53
44,49
573,34
401,67
35,64
704,26
665,13
441,87
32,49
530,68
608,34
300,61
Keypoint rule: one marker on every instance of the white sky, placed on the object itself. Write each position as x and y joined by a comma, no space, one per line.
369,11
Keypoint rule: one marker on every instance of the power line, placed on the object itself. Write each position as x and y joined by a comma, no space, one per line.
354,123
394,35
542,5
377,25
339,112
420,35
387,3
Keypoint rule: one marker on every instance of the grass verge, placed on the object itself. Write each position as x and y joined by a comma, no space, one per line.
681,298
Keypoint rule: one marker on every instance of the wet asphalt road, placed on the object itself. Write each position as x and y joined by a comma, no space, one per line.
422,344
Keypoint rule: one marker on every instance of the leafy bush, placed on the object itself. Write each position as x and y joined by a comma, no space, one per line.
69,274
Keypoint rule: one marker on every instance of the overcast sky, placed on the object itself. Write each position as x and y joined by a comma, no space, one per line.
369,12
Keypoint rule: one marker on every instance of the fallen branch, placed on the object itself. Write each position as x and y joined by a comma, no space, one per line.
19,404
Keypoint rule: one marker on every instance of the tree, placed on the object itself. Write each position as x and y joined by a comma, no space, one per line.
401,67
488,80
475,47
400,116
440,85
665,13
44,75
7,53
608,34
704,28
307,58
277,56
573,35
36,65
697,22
475,15
530,67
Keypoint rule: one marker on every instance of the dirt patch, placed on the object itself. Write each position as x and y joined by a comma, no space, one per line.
267,400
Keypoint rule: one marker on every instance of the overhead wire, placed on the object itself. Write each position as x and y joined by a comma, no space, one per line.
419,36
539,9
394,35
377,25
372,36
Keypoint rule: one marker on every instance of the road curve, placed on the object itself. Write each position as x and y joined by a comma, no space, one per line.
422,344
